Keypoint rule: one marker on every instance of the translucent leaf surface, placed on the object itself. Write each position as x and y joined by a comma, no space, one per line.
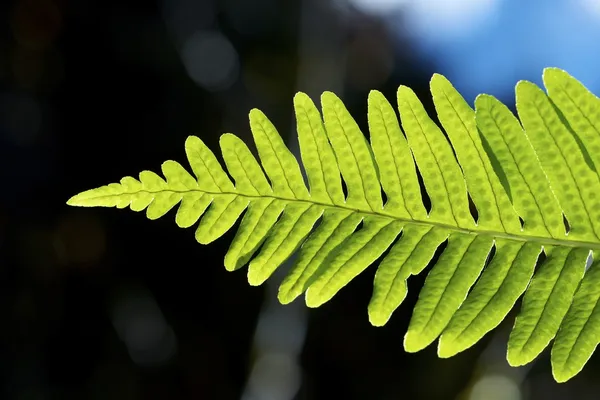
533,182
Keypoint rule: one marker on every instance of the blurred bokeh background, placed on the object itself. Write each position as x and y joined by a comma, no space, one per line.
104,304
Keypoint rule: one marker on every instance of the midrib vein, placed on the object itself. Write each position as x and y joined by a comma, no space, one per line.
521,238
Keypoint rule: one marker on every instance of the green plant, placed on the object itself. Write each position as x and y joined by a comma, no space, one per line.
536,191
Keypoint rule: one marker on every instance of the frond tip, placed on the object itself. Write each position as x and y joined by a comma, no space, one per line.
524,176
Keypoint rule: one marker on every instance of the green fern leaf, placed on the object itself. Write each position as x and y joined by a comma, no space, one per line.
446,287
398,172
409,256
494,295
442,176
545,304
579,334
532,197
523,176
579,107
574,182
458,119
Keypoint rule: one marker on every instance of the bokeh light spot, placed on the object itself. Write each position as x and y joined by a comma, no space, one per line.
210,60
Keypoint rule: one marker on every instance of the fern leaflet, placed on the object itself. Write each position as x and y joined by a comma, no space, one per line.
523,176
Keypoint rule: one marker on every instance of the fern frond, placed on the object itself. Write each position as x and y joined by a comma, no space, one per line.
524,176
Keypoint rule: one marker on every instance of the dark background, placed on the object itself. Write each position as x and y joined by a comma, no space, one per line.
105,304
